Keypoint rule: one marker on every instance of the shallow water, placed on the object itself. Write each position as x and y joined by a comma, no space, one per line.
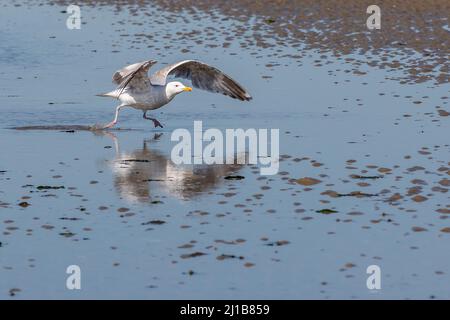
141,227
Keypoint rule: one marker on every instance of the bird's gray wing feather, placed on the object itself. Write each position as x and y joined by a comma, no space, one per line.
202,76
134,76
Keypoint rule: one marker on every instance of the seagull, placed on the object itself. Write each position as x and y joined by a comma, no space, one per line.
139,91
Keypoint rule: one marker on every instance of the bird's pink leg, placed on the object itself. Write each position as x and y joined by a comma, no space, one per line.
156,123
116,117
110,125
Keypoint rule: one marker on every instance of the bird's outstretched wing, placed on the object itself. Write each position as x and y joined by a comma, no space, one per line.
134,75
202,76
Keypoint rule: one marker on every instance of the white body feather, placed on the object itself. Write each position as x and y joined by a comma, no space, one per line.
149,98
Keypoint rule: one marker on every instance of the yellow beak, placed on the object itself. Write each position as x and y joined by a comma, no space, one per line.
187,89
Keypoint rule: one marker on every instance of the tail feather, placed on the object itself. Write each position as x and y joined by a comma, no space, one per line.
112,94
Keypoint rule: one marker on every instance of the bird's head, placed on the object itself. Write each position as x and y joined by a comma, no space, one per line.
174,88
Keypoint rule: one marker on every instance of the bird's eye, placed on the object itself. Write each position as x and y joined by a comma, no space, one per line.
176,85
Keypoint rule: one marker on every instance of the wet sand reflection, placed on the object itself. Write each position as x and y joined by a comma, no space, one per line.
139,174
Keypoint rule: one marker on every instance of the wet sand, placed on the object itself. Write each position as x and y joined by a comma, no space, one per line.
413,38
364,169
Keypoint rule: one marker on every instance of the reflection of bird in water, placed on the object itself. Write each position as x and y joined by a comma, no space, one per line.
142,170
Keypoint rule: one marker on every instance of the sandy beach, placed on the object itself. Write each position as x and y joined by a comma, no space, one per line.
364,172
